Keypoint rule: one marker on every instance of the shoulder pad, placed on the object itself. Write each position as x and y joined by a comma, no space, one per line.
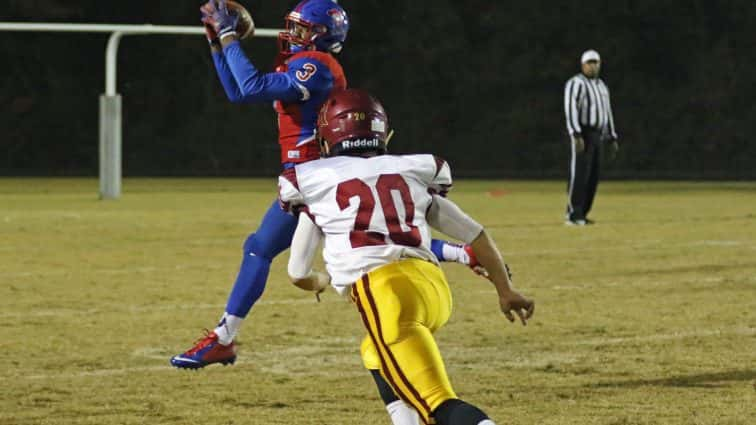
442,180
289,196
305,65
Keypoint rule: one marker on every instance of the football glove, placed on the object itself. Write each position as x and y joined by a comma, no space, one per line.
216,14
207,11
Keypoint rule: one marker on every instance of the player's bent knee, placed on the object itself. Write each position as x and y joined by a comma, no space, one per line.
247,246
258,247
369,354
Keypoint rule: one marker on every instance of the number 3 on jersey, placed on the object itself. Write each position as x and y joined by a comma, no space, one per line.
361,235
307,71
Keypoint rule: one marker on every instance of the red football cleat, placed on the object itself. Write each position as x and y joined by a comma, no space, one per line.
206,351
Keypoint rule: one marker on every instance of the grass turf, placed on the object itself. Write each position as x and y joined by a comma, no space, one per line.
648,317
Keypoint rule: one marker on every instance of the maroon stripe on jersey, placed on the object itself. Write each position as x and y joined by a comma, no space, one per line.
305,209
371,300
439,165
290,174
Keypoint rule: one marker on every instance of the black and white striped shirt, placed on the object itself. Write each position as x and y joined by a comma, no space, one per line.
587,105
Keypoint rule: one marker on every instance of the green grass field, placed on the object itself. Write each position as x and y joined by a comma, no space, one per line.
648,317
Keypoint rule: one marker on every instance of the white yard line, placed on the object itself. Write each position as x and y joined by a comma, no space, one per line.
741,331
350,371
645,281
645,244
328,299
288,360
718,243
95,373
116,271
296,360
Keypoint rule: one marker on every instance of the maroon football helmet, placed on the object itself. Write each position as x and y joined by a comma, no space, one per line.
352,122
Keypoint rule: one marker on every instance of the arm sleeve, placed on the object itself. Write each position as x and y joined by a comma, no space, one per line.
446,217
571,97
226,78
612,130
255,86
304,246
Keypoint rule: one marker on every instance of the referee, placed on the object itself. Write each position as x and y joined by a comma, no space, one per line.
590,125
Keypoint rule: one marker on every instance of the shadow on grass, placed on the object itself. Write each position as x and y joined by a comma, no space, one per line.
703,380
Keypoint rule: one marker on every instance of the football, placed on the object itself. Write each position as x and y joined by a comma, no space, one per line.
246,26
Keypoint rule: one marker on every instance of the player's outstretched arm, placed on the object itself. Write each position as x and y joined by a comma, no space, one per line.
226,77
233,65
256,86
498,273
304,245
446,217
219,61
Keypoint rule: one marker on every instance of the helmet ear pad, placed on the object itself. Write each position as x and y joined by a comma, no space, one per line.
352,122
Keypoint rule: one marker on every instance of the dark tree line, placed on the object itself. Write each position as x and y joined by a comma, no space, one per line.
479,82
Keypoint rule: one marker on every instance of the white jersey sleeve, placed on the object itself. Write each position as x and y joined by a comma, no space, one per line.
304,245
289,197
372,211
442,179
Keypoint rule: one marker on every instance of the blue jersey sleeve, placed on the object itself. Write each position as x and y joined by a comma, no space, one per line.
255,86
227,78
313,76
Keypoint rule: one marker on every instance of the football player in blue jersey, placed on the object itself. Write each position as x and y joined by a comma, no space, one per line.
306,74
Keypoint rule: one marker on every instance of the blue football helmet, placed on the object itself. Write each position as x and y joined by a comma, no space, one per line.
315,25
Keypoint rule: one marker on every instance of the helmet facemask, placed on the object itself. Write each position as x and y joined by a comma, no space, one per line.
320,25
300,35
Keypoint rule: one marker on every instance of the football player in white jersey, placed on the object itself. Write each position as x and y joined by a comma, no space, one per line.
374,213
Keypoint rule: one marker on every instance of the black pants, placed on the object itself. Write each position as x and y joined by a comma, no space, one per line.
584,176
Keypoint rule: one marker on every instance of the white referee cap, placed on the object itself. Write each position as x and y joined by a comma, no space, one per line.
590,55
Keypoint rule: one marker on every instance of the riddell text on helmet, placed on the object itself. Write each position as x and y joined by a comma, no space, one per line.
361,143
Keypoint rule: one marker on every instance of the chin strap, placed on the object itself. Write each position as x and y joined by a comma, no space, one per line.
388,138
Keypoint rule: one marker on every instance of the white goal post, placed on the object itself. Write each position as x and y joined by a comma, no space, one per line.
110,102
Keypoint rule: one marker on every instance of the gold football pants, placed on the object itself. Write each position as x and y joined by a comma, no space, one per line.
401,305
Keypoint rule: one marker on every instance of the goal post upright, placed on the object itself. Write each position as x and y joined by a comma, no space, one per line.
110,149
110,130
